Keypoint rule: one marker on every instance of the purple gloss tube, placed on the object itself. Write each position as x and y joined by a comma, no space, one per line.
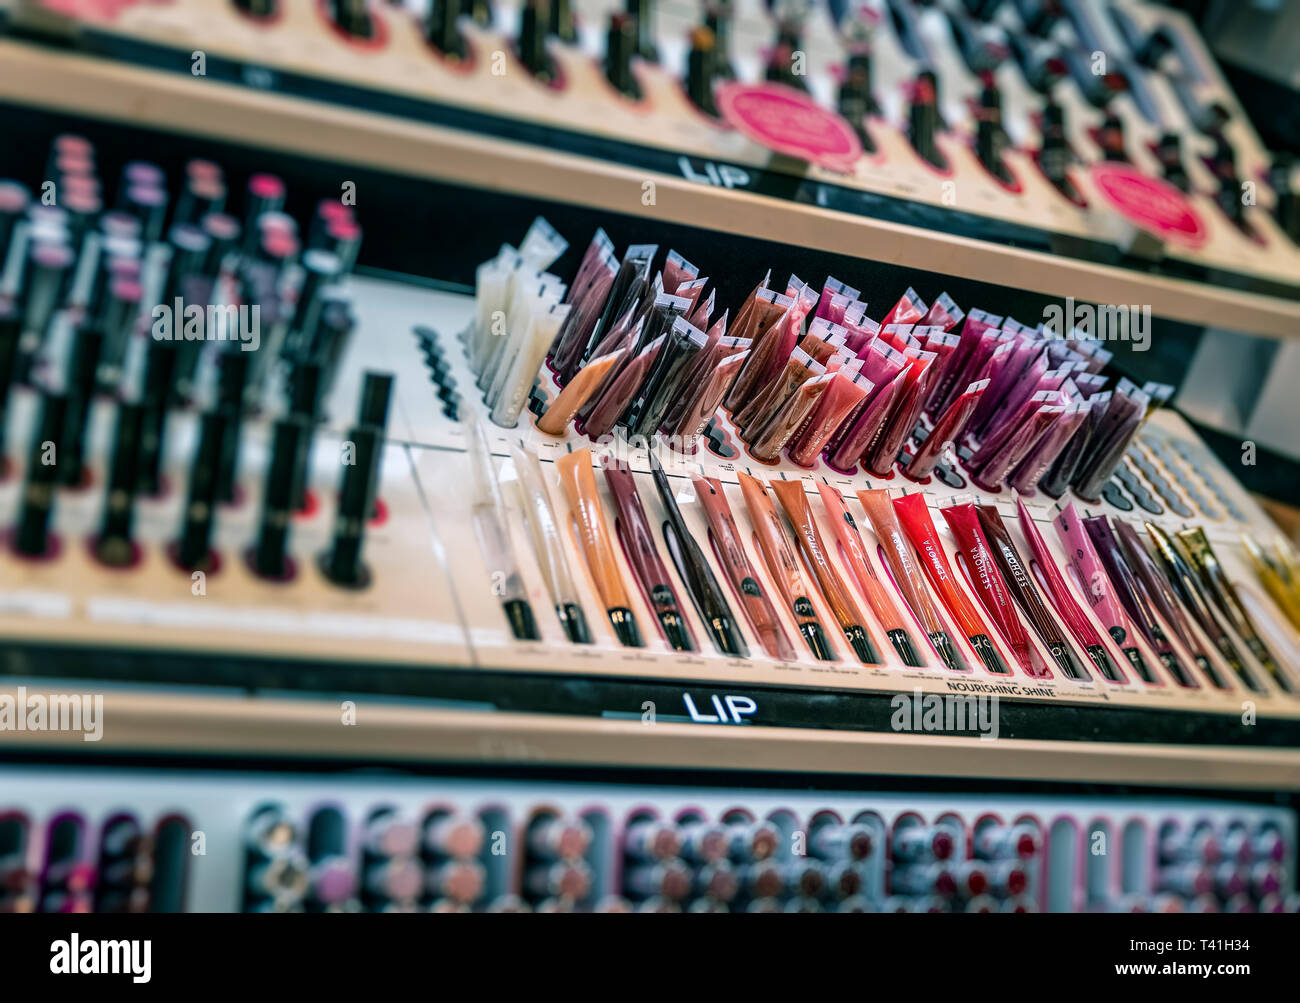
1122,420
964,360
1062,471
1132,595
1036,462
1023,351
997,468
1015,423
1163,599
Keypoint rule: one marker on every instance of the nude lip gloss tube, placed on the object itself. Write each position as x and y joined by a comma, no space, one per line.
898,555
1022,590
578,391
1188,590
545,531
769,442
620,391
1095,582
845,392
1051,579
867,426
694,569
987,582
782,564
946,430
1132,596
759,410
1161,597
854,553
915,517
795,502
731,555
633,529
695,419
579,483
1196,545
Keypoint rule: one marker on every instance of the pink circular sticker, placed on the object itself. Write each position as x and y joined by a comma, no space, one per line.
1151,203
791,123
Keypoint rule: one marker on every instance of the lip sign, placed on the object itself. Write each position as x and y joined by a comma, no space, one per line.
1151,203
791,123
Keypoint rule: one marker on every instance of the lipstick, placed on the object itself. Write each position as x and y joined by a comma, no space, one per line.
730,552
633,529
794,501
1049,576
695,572
579,484
773,543
854,552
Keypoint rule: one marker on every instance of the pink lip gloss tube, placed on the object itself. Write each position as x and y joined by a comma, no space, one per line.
1049,576
845,392
867,426
946,430
911,400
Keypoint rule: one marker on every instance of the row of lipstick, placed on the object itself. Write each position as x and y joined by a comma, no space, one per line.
805,375
1154,591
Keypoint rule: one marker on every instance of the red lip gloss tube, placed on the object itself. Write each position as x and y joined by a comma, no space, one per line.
946,430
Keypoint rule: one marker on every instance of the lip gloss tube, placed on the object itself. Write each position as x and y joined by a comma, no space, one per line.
646,411
867,426
695,419
947,429
547,545
579,483
1096,584
1187,589
696,374
795,502
771,312
782,564
695,571
1196,545
769,442
1049,576
908,310
1133,596
1162,598
852,549
1022,590
799,368
578,391
1274,584
898,554
987,581
633,529
918,526
490,521
731,555
906,412
846,391
621,390
1034,466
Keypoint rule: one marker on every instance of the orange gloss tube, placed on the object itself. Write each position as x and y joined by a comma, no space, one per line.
576,393
898,555
731,555
795,502
855,556
782,564
919,527
579,483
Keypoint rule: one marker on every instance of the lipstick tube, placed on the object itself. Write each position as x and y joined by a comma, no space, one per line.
986,581
731,555
854,553
918,526
795,503
907,577
1132,596
544,529
1096,584
1021,583
490,521
1162,598
579,390
1188,590
1049,576
846,391
1196,545
946,430
782,565
709,599
579,482
633,529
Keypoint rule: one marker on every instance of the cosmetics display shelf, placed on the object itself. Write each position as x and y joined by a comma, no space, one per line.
284,842
493,132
